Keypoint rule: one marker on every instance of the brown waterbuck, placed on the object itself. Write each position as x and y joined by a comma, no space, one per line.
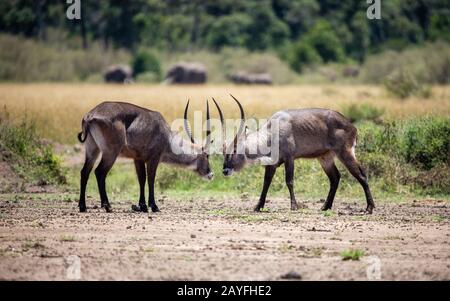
118,128
302,133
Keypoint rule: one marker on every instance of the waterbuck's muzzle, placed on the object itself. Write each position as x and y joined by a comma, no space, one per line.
227,171
209,176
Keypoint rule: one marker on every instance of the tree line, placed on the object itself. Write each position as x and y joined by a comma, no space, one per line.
302,31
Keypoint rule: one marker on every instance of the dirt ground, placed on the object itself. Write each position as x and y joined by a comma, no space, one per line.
222,240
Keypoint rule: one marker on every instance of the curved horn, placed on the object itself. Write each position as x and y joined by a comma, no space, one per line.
222,122
241,126
208,127
186,123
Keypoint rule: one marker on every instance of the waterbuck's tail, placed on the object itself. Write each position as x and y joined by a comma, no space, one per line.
82,136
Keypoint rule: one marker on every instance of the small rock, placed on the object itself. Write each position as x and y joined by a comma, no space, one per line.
129,227
291,275
95,207
193,236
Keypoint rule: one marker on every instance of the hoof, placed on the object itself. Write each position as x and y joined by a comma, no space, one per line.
155,209
139,208
108,208
294,206
257,209
83,209
369,209
326,207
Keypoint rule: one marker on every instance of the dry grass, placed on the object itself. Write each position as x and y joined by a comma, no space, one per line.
58,108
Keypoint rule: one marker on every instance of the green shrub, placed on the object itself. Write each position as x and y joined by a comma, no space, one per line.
403,84
358,112
428,64
301,54
426,142
30,158
147,62
352,254
435,180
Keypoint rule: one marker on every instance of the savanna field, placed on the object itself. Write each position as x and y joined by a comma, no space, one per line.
403,144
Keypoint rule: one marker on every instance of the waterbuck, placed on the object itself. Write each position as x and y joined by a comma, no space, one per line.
302,133
118,128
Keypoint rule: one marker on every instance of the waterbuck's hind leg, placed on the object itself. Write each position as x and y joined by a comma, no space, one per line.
141,174
101,172
348,158
268,176
91,155
327,163
152,166
289,177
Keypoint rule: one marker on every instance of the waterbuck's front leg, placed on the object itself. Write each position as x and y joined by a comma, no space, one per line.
268,176
289,174
152,166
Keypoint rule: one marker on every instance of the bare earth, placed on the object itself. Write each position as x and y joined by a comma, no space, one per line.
223,240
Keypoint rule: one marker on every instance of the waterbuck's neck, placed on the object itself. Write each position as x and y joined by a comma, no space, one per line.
258,147
181,152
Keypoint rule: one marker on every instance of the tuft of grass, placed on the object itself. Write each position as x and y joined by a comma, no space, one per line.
328,213
67,238
352,254
438,218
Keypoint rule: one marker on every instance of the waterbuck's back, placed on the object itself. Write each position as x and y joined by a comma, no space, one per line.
136,130
314,132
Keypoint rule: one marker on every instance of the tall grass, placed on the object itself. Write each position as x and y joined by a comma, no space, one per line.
26,153
58,108
26,60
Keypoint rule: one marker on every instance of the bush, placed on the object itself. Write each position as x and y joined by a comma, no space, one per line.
29,157
426,142
325,41
403,84
302,54
358,112
429,64
147,62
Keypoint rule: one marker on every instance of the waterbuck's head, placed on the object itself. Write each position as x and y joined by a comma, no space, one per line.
234,157
201,162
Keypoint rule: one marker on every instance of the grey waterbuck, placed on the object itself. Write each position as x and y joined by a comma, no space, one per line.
118,128
302,133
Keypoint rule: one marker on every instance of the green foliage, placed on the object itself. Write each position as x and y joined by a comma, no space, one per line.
325,41
319,44
357,112
30,157
352,254
254,24
412,67
403,84
413,152
426,142
302,54
147,62
229,30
